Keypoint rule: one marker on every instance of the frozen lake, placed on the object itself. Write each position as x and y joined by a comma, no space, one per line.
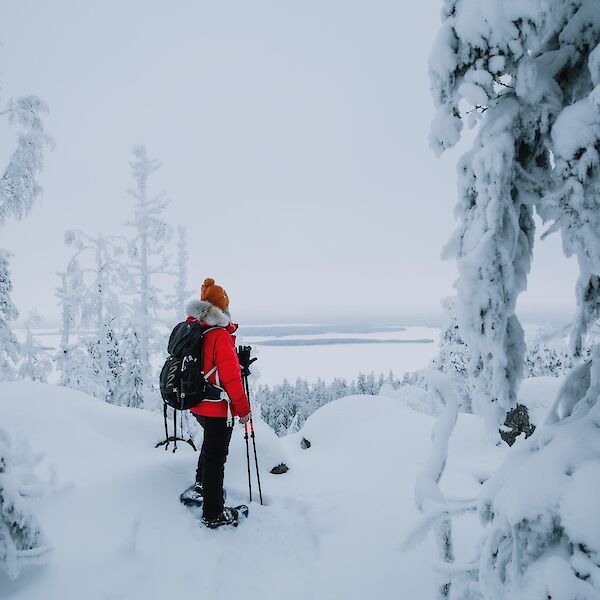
323,351
339,351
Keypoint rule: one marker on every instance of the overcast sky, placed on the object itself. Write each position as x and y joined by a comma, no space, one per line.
293,137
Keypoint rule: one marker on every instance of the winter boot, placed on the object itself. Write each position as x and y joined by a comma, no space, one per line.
229,516
192,496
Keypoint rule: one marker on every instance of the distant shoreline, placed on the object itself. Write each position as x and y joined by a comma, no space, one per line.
337,341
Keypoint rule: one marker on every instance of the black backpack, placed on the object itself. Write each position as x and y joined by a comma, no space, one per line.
183,383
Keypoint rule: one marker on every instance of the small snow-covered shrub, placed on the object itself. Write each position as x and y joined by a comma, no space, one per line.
21,539
35,361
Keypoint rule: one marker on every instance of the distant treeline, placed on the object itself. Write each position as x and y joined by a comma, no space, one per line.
285,407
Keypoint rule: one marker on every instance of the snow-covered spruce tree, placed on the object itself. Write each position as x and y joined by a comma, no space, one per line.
69,303
530,72
9,346
130,388
35,362
100,308
19,189
517,66
148,259
453,357
21,539
181,294
73,362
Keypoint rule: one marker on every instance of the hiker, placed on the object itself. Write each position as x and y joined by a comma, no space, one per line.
216,417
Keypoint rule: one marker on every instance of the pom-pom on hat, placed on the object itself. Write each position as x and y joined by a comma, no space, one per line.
215,294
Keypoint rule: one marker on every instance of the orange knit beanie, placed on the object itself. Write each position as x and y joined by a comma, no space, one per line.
214,294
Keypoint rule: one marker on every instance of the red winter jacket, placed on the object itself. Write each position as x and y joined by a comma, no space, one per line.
219,350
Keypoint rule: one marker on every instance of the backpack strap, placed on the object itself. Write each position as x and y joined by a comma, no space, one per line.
224,395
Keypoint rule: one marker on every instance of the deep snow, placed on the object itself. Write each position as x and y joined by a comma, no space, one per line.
332,528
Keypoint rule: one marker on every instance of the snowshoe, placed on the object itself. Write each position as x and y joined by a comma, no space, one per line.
229,516
194,496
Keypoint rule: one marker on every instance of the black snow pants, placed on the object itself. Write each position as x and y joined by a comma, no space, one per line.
211,463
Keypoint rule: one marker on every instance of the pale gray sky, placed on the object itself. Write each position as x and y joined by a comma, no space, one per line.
293,136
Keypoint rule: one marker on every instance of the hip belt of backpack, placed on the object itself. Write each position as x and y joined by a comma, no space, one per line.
224,395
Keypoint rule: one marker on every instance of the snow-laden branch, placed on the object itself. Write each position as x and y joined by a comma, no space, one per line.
427,488
427,484
429,518
19,187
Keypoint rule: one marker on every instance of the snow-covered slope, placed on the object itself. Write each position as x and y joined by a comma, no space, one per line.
332,526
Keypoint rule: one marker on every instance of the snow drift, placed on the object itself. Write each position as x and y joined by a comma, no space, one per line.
332,527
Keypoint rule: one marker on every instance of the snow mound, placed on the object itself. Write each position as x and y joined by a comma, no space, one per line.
331,527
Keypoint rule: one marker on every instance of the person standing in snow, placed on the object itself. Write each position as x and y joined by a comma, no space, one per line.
220,357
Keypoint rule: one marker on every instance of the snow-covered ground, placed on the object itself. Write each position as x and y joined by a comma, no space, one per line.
332,527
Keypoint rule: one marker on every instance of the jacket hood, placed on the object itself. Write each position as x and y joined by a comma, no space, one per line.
207,312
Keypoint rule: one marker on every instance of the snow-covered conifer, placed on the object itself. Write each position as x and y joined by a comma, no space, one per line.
148,259
130,379
304,402
35,362
19,189
181,294
453,357
529,74
361,384
21,538
519,67
340,388
73,361
9,346
285,408
99,304
371,384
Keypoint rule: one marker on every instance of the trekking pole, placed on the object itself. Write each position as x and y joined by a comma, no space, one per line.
248,459
253,441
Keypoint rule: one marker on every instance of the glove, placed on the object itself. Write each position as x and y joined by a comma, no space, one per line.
244,359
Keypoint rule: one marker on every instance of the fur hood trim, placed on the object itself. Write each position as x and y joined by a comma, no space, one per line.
207,312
